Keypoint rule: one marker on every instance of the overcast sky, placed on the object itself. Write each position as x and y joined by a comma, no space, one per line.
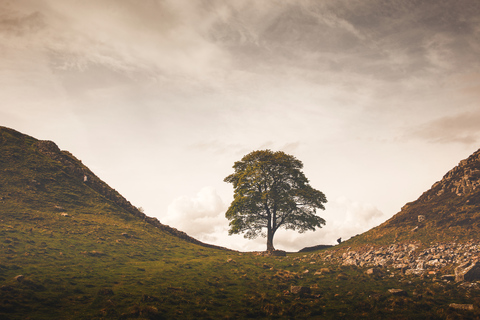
378,99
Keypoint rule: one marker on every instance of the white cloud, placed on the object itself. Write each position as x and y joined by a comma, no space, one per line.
344,218
200,216
203,217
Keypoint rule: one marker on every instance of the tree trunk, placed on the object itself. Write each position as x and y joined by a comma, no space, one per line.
270,234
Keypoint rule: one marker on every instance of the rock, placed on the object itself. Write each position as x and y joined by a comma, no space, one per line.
373,271
421,218
342,276
466,272
398,292
300,290
277,253
325,270
20,278
95,253
64,214
448,277
458,306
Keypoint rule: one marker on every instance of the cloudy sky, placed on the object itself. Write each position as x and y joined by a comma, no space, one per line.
378,99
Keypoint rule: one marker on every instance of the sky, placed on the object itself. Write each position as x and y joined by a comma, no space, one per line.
378,99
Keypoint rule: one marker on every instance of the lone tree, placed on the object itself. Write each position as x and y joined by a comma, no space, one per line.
271,191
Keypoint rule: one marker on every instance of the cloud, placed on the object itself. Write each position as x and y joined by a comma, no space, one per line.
76,35
344,218
460,128
203,217
200,216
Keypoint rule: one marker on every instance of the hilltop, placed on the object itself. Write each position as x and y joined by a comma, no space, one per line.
41,176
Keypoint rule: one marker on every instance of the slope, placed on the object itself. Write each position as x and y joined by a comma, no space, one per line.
38,175
72,248
448,211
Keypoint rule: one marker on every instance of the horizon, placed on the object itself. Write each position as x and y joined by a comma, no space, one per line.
159,99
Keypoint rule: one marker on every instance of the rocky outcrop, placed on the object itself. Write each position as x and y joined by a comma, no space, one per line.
448,211
411,260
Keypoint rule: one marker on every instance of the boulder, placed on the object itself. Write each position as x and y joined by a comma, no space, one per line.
373,271
300,290
466,272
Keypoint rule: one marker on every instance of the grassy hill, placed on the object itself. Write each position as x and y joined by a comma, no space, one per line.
71,247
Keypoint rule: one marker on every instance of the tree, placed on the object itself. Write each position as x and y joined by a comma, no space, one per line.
271,191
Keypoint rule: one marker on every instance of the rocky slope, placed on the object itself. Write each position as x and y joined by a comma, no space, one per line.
449,211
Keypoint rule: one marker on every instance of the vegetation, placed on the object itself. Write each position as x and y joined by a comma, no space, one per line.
67,252
271,192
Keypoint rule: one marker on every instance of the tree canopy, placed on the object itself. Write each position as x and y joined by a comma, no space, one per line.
271,191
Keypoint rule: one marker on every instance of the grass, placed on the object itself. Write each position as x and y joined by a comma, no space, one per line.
82,256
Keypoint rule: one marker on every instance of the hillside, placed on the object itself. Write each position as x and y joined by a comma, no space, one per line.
37,175
71,247
449,211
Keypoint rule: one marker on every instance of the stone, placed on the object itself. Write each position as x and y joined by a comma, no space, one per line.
421,218
373,271
20,277
277,253
398,292
459,306
448,277
300,290
342,276
466,272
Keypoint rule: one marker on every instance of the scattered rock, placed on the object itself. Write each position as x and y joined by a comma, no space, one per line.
458,306
398,292
421,218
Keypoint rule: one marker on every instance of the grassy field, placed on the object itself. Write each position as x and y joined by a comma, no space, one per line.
69,252
100,266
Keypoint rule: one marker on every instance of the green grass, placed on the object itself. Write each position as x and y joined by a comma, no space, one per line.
102,262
